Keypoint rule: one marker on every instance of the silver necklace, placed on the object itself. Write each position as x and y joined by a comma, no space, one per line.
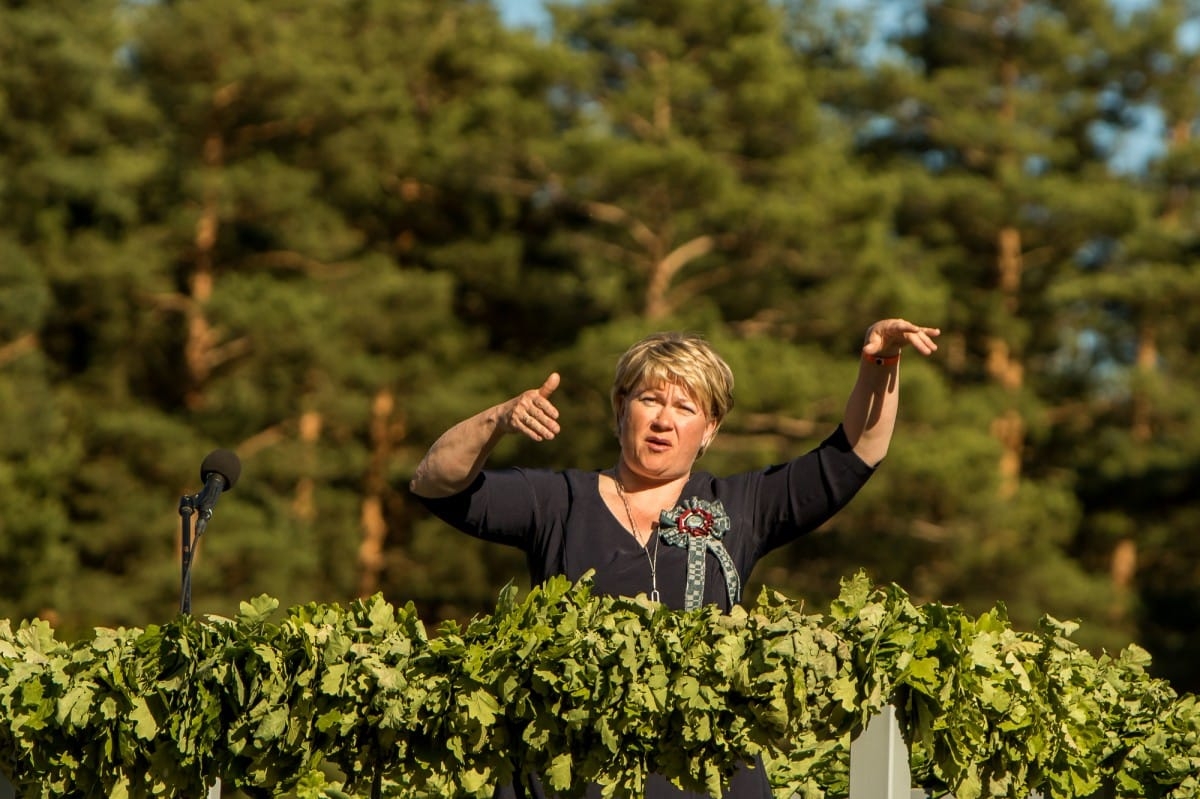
633,528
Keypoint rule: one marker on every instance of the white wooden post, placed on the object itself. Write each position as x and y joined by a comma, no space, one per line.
879,761
213,792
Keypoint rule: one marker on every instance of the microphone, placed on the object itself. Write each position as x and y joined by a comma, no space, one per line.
219,471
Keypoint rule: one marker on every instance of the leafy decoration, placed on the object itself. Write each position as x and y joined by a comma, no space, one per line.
580,689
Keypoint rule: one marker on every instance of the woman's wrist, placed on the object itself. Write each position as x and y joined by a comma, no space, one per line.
879,359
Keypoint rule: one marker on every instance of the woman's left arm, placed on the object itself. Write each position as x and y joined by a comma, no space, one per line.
871,410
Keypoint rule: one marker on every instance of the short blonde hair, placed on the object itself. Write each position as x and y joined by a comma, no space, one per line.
684,359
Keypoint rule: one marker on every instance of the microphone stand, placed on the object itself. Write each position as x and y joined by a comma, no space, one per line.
188,505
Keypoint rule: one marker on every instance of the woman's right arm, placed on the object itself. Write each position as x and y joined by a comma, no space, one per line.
458,455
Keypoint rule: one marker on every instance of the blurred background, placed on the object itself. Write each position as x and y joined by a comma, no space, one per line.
318,233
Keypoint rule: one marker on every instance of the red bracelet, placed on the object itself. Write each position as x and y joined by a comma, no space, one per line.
880,360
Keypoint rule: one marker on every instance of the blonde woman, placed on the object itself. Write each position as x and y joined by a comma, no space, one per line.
651,523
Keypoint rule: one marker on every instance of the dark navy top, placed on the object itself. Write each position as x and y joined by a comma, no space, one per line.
561,522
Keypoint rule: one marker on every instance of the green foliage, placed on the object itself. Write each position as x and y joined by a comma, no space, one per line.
579,689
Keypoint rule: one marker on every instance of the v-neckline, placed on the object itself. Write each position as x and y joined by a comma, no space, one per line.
616,519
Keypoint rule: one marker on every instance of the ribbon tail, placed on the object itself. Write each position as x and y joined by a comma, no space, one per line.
733,582
694,593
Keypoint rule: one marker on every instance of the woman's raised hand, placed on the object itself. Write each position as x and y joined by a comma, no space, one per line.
531,413
887,336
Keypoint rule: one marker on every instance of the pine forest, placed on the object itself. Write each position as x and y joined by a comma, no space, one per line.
319,233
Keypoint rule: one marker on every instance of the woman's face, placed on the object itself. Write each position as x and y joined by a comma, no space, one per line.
662,429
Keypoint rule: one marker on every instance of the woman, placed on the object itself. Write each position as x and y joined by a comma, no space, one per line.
650,524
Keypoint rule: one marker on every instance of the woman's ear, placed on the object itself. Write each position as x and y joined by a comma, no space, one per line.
709,435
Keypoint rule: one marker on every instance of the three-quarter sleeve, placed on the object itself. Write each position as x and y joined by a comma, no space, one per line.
786,501
499,506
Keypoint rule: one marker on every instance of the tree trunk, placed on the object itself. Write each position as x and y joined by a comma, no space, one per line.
1007,369
1122,569
198,349
1123,562
304,504
383,431
199,332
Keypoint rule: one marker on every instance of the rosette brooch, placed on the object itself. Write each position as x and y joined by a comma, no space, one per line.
698,526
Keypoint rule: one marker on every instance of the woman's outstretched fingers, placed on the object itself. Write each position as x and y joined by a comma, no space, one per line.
922,338
888,336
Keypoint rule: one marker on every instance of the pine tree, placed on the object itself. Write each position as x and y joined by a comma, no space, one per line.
1136,301
331,181
76,153
993,121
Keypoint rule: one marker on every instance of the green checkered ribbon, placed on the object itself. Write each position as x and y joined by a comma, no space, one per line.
699,526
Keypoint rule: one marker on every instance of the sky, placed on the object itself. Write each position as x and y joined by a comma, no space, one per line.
521,13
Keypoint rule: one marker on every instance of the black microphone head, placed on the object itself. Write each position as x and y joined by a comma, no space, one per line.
224,463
